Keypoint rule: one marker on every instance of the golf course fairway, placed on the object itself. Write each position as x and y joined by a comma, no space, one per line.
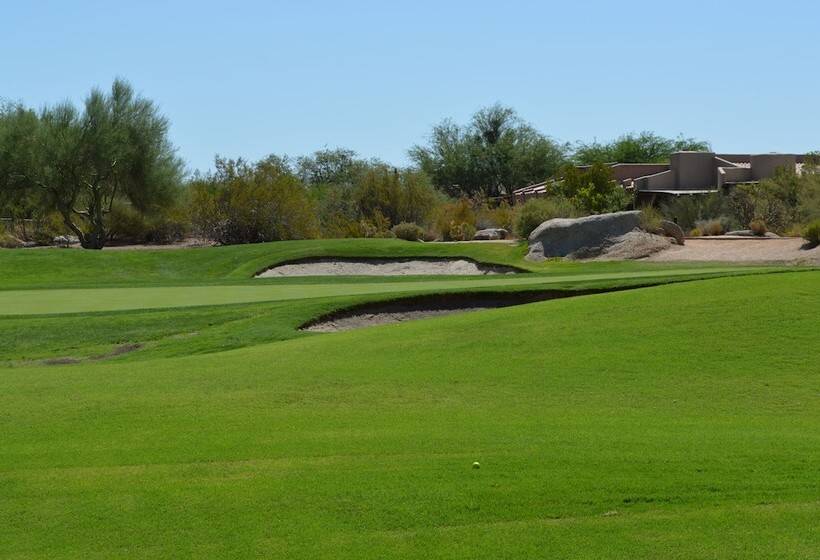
679,420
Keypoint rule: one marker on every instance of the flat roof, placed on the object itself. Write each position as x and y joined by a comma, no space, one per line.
679,191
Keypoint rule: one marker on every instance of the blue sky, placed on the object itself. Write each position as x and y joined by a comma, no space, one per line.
248,78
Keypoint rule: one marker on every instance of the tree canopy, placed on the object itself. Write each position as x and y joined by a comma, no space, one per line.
643,147
494,154
80,162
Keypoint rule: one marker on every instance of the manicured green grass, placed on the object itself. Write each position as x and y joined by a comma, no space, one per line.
60,268
124,301
37,302
353,445
676,421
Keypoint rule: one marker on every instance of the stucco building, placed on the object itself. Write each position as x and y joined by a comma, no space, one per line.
687,173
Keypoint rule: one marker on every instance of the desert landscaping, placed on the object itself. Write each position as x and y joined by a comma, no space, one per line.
424,281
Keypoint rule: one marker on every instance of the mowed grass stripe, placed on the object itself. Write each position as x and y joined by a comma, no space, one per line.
88,300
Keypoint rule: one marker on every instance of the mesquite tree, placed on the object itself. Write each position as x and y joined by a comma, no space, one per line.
80,162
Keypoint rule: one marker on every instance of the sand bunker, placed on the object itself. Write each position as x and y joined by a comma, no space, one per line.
421,307
384,267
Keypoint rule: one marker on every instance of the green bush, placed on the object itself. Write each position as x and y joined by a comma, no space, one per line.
252,203
593,190
125,224
811,233
400,196
408,231
536,211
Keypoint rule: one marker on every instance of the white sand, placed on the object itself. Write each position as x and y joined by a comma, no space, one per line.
384,267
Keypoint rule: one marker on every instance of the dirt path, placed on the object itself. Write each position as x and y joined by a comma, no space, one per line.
745,249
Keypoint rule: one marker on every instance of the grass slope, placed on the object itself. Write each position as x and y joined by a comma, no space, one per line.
65,268
179,302
679,421
37,302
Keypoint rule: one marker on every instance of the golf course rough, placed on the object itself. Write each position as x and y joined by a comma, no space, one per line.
677,421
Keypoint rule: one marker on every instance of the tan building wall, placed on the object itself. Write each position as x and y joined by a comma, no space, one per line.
694,170
765,165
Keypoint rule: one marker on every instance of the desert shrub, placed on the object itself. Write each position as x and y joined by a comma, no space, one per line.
536,211
408,231
758,227
811,233
377,226
451,219
400,196
126,224
687,210
760,202
695,232
358,195
794,230
716,226
593,190
781,201
8,241
252,203
461,232
169,226
163,226
47,226
650,218
501,216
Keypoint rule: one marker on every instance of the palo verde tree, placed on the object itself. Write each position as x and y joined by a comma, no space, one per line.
80,162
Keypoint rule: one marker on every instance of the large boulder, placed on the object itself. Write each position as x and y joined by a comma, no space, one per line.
671,229
561,236
491,234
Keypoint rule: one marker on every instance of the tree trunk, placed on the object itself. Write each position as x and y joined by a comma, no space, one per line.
97,237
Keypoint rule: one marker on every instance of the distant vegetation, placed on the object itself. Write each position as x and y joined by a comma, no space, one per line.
645,147
80,164
107,173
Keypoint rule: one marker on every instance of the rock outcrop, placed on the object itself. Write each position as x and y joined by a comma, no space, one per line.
673,230
561,236
491,234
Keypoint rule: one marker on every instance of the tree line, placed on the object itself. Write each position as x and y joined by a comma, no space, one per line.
107,171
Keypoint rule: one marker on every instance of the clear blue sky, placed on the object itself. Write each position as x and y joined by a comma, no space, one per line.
248,78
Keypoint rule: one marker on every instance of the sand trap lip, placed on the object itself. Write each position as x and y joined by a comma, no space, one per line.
422,307
420,266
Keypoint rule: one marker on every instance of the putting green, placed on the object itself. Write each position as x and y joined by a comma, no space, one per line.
38,302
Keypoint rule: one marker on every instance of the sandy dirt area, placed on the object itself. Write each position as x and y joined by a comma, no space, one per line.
422,307
747,250
384,267
383,318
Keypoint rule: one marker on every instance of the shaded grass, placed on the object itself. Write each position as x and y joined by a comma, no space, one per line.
705,441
